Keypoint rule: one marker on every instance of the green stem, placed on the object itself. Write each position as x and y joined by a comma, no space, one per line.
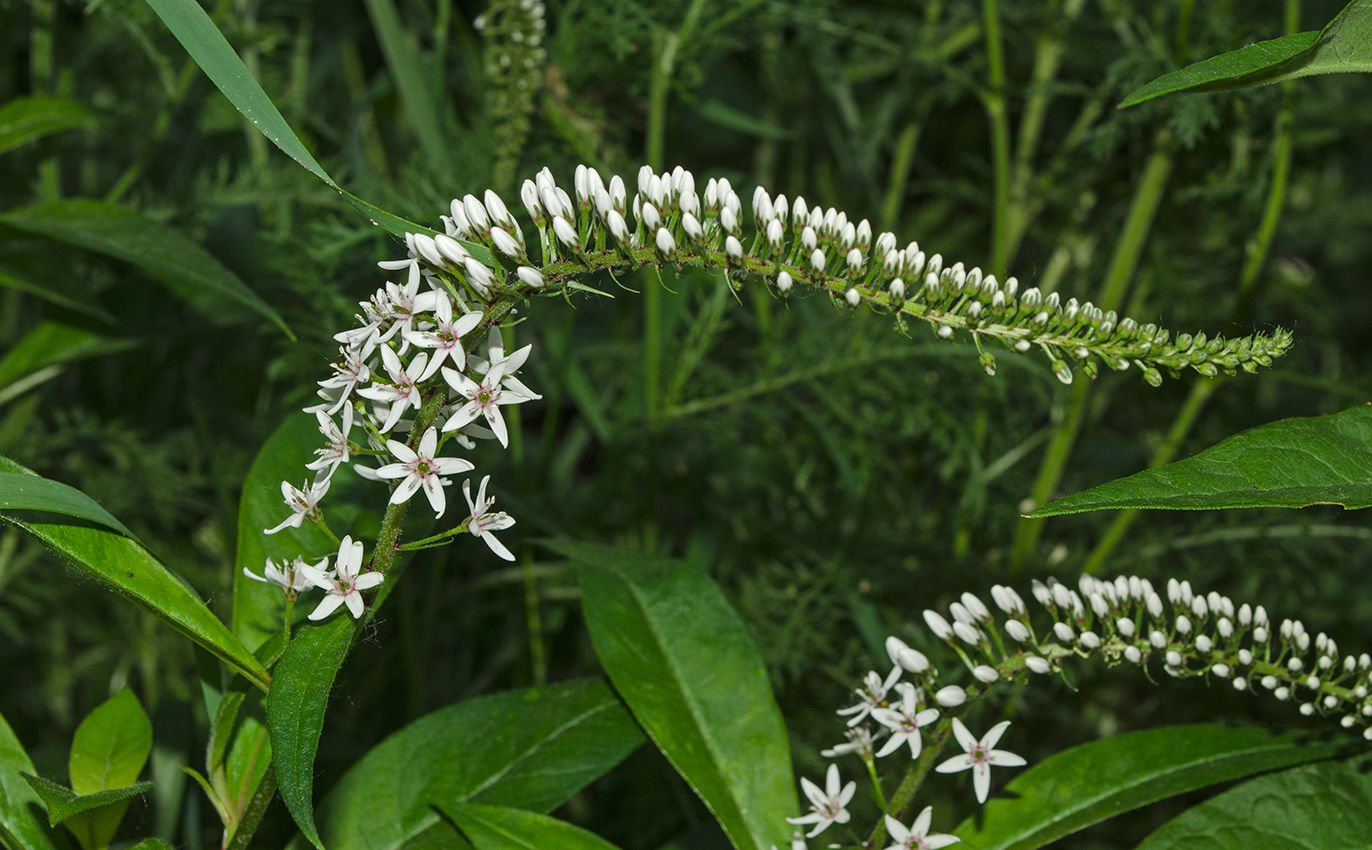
994,100
286,626
535,621
914,777
1137,225
901,161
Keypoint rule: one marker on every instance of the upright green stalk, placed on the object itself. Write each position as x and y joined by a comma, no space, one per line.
994,100
914,777
41,37
1137,225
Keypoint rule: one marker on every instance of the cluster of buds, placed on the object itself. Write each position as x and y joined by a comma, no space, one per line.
791,243
513,33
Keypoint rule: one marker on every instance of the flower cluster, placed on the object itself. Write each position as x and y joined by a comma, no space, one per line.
513,33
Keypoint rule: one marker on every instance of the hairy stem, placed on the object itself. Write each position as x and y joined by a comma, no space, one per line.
914,777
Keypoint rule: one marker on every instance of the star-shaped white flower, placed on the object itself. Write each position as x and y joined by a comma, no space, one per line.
287,576
407,301
303,503
446,339
859,741
904,721
508,366
337,450
829,806
345,584
483,399
872,693
917,837
421,469
401,394
346,376
483,522
980,756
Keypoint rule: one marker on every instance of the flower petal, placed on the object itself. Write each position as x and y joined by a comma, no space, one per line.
497,547
327,606
992,736
1005,759
981,780
354,601
407,488
955,764
965,738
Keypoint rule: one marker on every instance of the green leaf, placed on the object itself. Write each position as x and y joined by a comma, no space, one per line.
500,828
131,571
402,60
295,712
161,251
1344,46
1317,807
1090,783
27,119
1292,463
152,844
212,52
45,348
221,730
532,749
26,491
111,745
55,288
64,804
249,759
688,668
21,824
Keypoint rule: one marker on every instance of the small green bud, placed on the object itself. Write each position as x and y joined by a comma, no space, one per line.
1152,376
1063,371
988,362
1207,369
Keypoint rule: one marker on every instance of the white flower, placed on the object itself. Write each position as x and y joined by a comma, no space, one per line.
346,376
872,694
406,301
917,837
302,503
509,365
483,522
288,576
344,585
904,721
337,451
421,469
484,399
446,339
859,741
829,805
980,756
401,393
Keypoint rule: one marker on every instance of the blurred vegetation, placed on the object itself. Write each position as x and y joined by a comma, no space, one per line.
834,476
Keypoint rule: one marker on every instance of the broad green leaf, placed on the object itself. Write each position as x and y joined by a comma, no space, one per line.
161,251
30,492
249,760
1292,463
27,119
688,668
129,570
212,52
295,711
64,804
1344,46
500,828
47,347
111,745
532,749
1090,783
21,808
1317,807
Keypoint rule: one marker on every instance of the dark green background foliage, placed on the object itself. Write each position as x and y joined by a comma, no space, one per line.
835,477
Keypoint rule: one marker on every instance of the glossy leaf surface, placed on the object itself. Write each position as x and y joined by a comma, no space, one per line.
1292,463
111,745
688,668
532,749
29,492
21,808
500,828
1092,782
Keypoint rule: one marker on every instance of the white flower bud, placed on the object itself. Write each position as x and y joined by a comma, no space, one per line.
1090,640
1173,658
1245,657
1367,733
1302,641
1183,625
650,217
1313,683
1260,635
864,233
451,249
1348,721
478,274
1203,643
1132,654
853,297
817,261
775,233
937,624
505,243
1326,662
617,193
1154,605
854,261
1158,640
566,234
808,239
580,184
1062,597
528,194
1063,632
530,276
1017,630
691,225
1099,605
427,248
1036,664
960,613
1199,608
1269,682
1245,615
1283,693
967,634
783,282
1294,665
975,607
1136,588
1043,594
1007,599
897,290
1125,626
1221,670
733,248
496,208
951,696
1224,627
728,221
1240,683
1331,701
1184,588
1364,661
476,213
666,245
1286,630
985,674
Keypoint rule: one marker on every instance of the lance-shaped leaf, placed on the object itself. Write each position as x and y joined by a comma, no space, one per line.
500,828
28,119
532,749
128,569
26,491
161,251
1092,782
21,808
295,712
1318,807
64,804
1344,46
1292,463
688,668
40,355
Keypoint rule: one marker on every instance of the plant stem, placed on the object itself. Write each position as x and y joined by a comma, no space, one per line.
914,777
535,620
1137,225
993,98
